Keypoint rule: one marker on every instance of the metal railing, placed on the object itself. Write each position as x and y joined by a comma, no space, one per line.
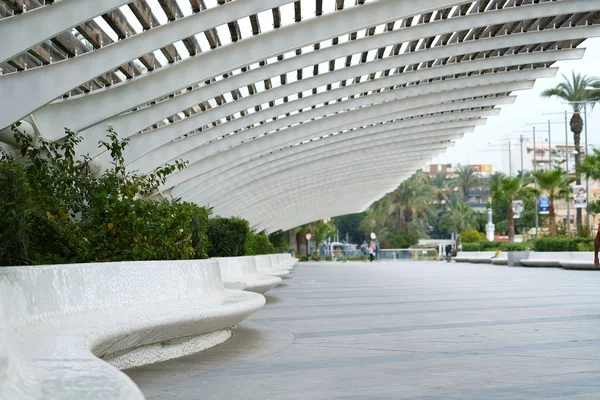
408,254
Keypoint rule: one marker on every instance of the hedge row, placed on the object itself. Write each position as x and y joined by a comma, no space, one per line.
541,245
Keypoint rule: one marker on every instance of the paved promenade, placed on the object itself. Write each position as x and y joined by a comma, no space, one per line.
419,331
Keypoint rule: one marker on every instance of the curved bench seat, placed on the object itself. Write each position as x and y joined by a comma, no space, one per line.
241,273
502,259
278,262
482,257
287,259
463,256
264,266
544,259
580,260
62,319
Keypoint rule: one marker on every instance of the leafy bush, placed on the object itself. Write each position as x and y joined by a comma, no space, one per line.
227,236
54,211
15,205
258,243
355,258
471,236
302,258
471,247
403,240
328,258
562,244
585,246
515,246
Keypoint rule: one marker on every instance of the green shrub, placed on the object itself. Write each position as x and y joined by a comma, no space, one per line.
328,258
54,211
471,247
562,244
515,246
355,258
227,236
130,229
15,211
585,246
403,240
471,236
258,243
302,258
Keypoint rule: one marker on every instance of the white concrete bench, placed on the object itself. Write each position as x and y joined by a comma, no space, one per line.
278,262
579,260
545,259
463,256
265,266
62,320
240,273
480,257
502,259
288,259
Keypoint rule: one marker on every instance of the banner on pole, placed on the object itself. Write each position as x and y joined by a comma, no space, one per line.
544,205
579,196
518,208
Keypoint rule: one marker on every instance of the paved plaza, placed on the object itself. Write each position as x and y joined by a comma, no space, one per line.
419,331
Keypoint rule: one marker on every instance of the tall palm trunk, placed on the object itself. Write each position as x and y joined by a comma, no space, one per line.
511,223
292,239
576,128
552,219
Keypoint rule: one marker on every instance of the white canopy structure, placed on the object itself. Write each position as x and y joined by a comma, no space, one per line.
287,111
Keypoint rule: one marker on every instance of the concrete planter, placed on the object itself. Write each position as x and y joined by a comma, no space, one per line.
515,257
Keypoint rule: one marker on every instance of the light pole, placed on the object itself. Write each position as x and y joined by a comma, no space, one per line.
567,169
308,253
522,170
509,160
537,222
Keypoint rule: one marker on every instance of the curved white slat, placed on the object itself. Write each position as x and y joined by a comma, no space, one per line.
53,80
30,28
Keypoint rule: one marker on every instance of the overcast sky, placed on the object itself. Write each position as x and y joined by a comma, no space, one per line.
488,144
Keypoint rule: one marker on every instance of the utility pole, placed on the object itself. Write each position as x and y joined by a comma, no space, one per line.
587,179
509,159
567,167
549,146
537,222
522,170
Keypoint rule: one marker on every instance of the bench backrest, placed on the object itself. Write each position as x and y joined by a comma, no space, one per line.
582,256
484,254
41,292
236,267
263,262
550,255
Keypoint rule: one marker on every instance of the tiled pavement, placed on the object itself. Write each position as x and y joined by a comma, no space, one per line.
419,331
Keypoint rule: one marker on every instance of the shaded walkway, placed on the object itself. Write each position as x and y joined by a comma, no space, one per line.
426,331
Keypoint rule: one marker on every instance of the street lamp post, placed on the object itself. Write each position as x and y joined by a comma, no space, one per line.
567,169
537,222
308,253
522,168
587,179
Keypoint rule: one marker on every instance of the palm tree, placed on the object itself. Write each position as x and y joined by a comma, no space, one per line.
576,91
466,178
495,178
590,166
554,184
507,191
459,218
440,183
